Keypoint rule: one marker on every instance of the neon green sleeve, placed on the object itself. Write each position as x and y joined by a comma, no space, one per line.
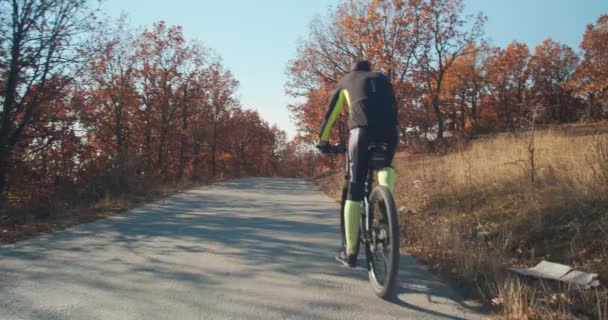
333,111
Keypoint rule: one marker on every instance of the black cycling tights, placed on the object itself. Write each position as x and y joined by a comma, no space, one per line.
358,156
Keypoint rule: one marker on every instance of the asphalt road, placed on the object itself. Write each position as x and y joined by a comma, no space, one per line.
248,249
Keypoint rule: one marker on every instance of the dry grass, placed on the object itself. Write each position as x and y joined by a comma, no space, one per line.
473,212
487,214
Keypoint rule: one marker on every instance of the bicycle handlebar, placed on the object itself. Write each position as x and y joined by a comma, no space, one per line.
333,148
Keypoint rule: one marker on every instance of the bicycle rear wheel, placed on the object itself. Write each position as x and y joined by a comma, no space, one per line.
383,246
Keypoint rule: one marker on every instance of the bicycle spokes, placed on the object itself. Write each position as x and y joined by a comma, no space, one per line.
380,248
380,262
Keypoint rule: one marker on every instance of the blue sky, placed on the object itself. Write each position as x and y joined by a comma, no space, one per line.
256,38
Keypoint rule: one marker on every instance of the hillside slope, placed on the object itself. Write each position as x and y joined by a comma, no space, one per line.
473,212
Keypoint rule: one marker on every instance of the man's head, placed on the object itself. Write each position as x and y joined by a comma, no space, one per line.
361,65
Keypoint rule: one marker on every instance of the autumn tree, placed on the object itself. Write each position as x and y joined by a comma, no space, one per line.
221,101
412,42
191,94
551,68
50,159
116,114
279,150
446,78
446,35
250,142
304,160
591,81
465,83
507,79
162,51
38,47
113,103
382,32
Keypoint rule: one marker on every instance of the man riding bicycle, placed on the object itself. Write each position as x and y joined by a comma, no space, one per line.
372,118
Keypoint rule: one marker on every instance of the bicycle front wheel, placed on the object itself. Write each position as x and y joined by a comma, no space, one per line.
383,245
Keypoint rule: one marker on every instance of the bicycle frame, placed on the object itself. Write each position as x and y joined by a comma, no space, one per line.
367,206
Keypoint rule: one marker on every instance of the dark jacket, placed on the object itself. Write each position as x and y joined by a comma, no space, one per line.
370,98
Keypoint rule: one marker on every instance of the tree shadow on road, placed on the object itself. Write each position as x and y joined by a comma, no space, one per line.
292,236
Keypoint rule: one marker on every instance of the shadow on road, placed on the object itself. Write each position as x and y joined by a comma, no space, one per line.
267,226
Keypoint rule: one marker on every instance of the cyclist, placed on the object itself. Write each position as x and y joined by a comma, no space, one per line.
372,118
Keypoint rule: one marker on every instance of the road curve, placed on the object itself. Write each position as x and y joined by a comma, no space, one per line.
247,249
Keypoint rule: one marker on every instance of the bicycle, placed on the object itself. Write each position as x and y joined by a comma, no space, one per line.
379,227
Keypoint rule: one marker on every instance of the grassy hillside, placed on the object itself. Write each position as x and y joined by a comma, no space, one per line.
473,212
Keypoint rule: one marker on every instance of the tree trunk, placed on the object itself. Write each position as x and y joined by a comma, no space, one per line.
474,123
213,149
120,156
196,163
182,148
591,114
3,176
453,125
440,128
161,148
182,159
166,117
148,142
463,118
6,125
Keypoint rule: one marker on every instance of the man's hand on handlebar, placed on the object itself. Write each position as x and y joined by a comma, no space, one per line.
325,147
